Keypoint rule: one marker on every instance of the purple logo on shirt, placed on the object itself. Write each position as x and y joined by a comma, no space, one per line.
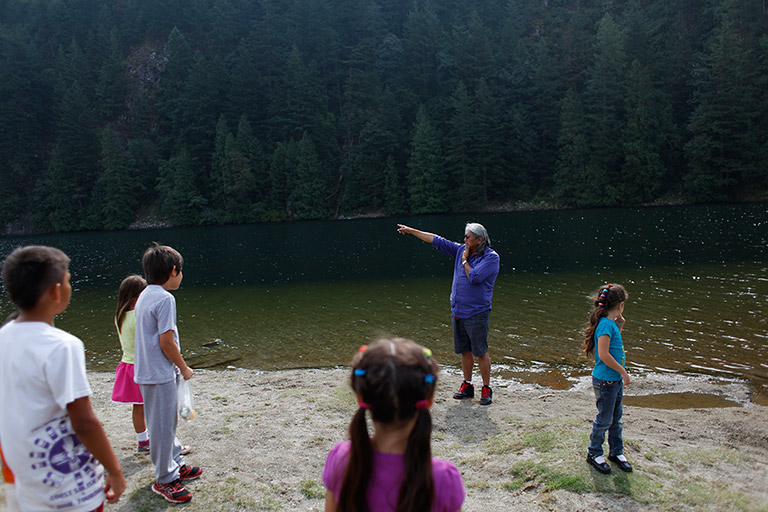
61,454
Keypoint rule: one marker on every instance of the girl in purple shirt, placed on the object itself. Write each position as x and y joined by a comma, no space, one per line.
395,380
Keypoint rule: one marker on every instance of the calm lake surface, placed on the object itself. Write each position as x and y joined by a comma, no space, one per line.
307,294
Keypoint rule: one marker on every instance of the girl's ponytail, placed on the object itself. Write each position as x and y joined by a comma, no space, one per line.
352,497
418,489
130,288
604,300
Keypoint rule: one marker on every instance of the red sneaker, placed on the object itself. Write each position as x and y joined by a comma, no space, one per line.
189,472
466,390
486,397
173,492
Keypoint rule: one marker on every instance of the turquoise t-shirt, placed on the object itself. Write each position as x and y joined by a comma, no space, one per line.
601,370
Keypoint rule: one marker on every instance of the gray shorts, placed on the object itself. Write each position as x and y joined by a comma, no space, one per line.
471,334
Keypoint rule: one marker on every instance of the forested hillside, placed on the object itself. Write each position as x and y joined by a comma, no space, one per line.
228,111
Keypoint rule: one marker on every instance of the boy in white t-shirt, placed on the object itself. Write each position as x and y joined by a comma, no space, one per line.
158,366
52,440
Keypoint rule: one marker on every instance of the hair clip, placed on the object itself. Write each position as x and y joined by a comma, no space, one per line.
362,348
422,404
359,372
364,405
429,378
427,353
600,304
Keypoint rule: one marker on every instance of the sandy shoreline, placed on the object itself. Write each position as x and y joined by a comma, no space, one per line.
262,438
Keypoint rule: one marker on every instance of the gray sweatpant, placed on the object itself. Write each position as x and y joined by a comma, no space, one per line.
160,406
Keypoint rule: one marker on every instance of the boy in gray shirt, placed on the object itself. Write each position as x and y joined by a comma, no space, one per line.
158,366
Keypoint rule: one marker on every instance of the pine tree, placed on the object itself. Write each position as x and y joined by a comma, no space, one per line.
114,196
64,193
647,137
394,192
465,178
723,150
111,87
170,95
308,198
571,186
427,184
180,199
604,106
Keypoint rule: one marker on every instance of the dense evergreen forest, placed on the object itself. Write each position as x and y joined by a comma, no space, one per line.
228,111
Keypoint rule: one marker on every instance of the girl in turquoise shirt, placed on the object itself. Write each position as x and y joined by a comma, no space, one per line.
609,375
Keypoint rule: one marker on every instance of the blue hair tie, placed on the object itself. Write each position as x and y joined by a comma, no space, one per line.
359,372
429,378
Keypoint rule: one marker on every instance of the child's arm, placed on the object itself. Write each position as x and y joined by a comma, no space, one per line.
91,434
330,502
603,346
171,351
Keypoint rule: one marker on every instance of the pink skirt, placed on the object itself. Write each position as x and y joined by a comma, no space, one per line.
126,391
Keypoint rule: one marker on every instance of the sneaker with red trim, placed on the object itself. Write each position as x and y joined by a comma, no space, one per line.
466,390
172,492
189,472
486,396
143,446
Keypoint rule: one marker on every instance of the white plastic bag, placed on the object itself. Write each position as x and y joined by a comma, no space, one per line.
186,401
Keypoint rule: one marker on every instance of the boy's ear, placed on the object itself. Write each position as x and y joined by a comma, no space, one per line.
52,294
55,291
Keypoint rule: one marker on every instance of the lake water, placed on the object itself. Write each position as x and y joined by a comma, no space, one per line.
307,294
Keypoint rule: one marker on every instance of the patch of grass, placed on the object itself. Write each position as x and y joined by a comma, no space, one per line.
712,456
705,495
144,500
312,490
548,454
341,400
233,494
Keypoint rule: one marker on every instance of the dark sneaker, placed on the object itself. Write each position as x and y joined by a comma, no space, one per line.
173,492
621,461
599,464
486,396
189,472
143,446
466,390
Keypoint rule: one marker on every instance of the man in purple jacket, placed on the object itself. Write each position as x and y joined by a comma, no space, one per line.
474,274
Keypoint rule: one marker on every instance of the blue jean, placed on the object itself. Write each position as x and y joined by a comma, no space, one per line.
608,395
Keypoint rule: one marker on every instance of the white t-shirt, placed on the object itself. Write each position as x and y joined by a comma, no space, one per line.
42,369
155,314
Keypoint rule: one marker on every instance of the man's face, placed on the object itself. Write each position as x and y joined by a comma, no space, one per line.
471,240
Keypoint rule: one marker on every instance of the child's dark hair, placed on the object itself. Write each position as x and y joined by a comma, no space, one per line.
129,290
158,262
29,271
604,299
395,379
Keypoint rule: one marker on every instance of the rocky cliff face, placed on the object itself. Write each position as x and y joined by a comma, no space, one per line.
145,65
